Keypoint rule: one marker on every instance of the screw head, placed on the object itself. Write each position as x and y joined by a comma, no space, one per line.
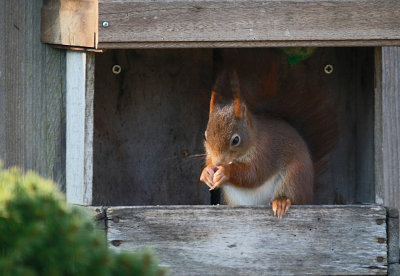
116,69
106,24
328,69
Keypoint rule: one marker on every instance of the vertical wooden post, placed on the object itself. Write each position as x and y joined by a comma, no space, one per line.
80,91
387,126
387,142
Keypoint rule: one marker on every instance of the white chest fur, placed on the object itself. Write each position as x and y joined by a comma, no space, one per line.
261,195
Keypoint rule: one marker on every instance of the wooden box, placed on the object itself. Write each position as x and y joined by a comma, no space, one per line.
137,112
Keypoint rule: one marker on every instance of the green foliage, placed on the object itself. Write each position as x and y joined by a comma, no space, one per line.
295,55
41,235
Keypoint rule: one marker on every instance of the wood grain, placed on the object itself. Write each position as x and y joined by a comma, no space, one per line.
149,122
137,24
32,93
79,148
89,127
70,22
75,141
387,127
221,240
393,241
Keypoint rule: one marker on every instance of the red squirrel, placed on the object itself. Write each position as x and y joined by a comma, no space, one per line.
255,159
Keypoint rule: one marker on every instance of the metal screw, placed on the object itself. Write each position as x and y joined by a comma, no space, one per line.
106,24
328,69
116,69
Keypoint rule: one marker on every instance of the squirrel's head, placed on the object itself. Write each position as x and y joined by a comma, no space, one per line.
229,129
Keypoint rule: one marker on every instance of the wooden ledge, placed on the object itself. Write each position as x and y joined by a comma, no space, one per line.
224,240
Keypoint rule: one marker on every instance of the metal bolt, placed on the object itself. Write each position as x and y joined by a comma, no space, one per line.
380,259
106,24
328,69
116,69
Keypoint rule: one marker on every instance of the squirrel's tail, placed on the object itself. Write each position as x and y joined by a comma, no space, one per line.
268,83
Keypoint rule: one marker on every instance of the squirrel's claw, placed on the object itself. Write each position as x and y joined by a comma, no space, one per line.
280,206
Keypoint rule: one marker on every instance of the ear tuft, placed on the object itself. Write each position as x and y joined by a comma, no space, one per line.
215,97
239,106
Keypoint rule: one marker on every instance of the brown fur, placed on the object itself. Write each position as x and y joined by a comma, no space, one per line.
267,146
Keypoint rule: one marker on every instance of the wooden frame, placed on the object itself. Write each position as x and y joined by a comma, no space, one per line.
186,24
160,223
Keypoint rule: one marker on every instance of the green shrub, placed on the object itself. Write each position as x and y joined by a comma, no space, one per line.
41,235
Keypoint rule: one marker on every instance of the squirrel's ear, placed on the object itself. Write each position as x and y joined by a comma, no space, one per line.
215,97
240,107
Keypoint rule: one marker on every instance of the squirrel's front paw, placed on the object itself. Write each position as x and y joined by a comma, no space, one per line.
207,175
280,206
221,176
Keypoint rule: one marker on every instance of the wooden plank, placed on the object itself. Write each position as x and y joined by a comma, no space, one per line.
79,104
89,127
393,241
32,94
70,22
348,175
255,23
149,125
245,44
387,129
221,240
387,126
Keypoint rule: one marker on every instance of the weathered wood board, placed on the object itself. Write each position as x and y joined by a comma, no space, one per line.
32,93
79,132
244,23
348,177
387,128
149,122
221,240
70,22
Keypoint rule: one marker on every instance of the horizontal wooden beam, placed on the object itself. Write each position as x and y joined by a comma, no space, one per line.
248,23
223,240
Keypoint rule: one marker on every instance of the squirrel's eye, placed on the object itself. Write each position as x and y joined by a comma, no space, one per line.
235,140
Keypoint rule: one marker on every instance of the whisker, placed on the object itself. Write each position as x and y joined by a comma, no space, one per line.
195,155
